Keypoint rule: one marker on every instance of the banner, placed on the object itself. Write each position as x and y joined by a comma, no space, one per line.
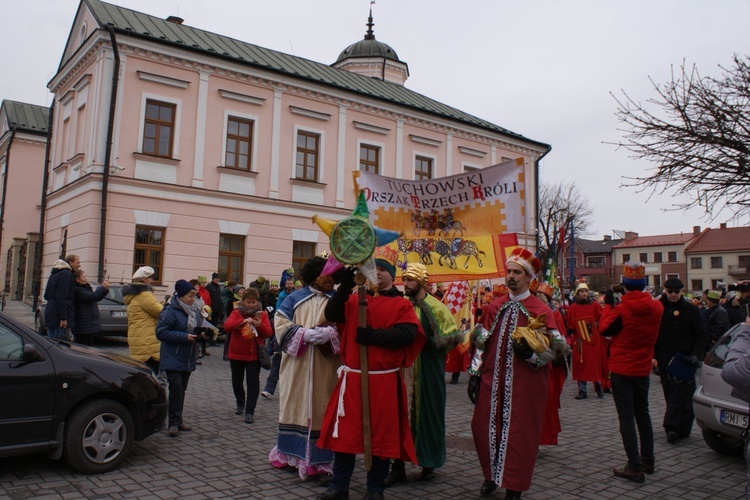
461,227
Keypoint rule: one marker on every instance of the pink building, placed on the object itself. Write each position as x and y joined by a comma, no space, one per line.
221,151
23,142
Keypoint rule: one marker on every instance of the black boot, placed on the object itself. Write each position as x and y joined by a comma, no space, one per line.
397,474
512,495
487,488
581,395
454,377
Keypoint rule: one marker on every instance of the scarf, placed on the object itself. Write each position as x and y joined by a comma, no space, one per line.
427,316
191,311
248,311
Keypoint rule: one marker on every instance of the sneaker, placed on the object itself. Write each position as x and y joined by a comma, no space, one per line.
627,473
266,394
581,395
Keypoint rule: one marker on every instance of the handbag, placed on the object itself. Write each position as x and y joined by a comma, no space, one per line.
679,369
263,357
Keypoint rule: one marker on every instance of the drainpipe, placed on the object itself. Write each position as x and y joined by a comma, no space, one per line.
536,188
5,184
108,152
36,287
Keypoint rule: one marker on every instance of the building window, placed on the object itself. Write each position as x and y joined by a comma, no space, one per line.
369,158
657,257
657,281
571,263
308,147
231,258
302,251
422,168
595,261
239,143
625,258
743,261
696,262
158,129
696,285
716,263
671,256
149,249
643,257
715,284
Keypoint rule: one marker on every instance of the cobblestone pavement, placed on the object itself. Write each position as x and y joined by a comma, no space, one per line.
225,458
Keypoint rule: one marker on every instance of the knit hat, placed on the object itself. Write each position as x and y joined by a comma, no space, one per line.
418,273
525,259
202,279
214,276
142,273
713,296
386,257
182,288
634,274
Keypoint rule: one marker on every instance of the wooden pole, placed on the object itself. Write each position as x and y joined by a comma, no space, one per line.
364,374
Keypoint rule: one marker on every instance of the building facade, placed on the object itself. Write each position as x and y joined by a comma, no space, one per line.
193,152
717,258
23,142
593,262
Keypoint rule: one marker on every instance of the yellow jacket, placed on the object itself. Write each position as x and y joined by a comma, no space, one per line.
143,313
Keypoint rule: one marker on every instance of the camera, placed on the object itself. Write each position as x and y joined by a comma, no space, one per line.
202,332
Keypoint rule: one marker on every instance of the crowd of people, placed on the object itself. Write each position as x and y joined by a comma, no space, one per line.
319,334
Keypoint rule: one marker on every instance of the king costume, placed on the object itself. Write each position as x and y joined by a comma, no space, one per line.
307,377
587,361
509,411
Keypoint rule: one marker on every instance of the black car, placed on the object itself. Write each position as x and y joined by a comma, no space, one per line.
112,312
73,402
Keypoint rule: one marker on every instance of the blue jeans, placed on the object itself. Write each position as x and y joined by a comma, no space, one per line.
343,468
273,376
631,400
57,333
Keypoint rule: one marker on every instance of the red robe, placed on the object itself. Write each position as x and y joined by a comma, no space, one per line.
513,436
587,357
457,360
389,412
551,425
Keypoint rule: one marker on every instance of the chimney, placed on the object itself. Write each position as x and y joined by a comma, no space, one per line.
696,230
723,225
175,19
630,235
607,237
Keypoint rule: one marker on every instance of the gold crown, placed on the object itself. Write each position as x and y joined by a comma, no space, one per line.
634,271
386,253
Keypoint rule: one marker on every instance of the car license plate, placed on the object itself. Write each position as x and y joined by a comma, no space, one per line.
733,419
119,314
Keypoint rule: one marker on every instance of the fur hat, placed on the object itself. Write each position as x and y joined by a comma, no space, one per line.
142,273
418,273
525,259
182,288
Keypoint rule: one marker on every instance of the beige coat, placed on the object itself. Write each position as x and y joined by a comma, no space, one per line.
143,313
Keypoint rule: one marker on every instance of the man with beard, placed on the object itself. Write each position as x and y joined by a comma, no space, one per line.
310,358
425,380
393,337
508,382
681,332
582,321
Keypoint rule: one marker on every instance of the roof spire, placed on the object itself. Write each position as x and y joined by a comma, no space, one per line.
370,35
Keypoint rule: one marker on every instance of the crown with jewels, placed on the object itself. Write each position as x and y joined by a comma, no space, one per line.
387,254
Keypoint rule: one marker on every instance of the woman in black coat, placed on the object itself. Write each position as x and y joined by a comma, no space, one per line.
87,321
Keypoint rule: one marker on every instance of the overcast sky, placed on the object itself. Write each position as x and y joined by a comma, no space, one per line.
544,69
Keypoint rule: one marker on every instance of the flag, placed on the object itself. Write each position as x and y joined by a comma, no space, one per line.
456,296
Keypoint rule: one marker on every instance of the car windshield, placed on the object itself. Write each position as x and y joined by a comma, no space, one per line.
718,353
114,297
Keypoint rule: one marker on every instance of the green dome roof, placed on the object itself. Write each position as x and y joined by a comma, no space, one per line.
369,47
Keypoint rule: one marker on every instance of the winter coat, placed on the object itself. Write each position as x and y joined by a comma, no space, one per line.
217,306
143,313
177,352
718,323
681,330
87,319
240,348
736,369
632,349
59,296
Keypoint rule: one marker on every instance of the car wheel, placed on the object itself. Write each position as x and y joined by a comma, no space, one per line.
39,325
721,443
98,436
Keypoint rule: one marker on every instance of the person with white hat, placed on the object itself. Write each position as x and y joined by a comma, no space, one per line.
582,321
143,312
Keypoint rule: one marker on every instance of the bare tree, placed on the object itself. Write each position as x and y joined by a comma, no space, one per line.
698,137
561,205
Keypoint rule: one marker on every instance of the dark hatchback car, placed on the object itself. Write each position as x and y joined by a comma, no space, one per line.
73,402
112,312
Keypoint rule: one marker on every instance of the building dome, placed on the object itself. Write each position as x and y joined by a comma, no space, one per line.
369,47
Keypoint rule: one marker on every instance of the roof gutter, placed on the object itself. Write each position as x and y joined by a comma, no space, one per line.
36,286
108,151
536,188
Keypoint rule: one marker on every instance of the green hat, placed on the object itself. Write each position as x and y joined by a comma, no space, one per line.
298,283
274,282
202,279
713,295
260,279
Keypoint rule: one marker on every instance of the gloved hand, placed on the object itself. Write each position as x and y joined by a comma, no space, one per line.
609,298
522,349
320,335
692,360
559,361
473,389
347,278
363,335
308,334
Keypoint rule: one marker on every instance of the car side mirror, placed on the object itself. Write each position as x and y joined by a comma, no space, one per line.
31,354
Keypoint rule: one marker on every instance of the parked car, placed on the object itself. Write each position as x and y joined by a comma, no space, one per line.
112,309
73,402
721,417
